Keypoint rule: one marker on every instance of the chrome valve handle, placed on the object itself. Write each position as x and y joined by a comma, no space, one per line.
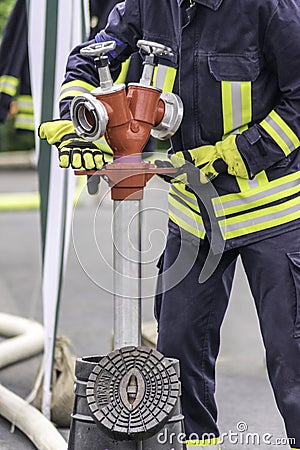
98,49
154,48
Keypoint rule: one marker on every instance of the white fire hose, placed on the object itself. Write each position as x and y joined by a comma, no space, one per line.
25,339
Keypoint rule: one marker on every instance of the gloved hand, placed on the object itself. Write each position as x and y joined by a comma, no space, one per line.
71,148
226,152
211,160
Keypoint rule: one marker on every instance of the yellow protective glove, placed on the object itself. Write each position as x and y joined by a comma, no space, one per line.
186,162
226,151
72,150
211,160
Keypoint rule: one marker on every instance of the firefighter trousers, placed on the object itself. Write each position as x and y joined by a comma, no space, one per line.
190,315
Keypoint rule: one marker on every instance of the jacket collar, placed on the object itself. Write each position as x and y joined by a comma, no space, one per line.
212,4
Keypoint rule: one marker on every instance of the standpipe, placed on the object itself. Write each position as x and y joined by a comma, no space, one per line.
133,391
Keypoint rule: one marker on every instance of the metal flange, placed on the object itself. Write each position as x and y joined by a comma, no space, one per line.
172,117
132,392
89,117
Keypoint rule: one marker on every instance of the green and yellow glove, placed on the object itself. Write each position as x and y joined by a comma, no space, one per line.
72,150
211,160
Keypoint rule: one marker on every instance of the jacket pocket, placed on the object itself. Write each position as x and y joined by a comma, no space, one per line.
234,67
294,261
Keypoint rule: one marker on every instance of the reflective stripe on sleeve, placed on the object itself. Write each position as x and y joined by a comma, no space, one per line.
24,122
237,114
25,103
73,88
8,85
280,132
257,197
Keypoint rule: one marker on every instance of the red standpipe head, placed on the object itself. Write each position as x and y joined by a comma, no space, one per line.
131,118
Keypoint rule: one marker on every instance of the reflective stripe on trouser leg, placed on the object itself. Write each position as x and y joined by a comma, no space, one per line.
189,329
273,270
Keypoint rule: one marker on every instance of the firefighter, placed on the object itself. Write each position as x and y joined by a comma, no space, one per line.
237,70
15,89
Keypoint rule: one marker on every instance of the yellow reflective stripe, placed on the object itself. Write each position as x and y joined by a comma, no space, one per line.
242,201
189,198
276,137
204,442
185,226
25,103
123,74
24,122
170,79
73,88
71,93
261,220
164,77
19,201
259,180
8,85
243,128
227,107
236,105
262,178
246,102
281,133
185,218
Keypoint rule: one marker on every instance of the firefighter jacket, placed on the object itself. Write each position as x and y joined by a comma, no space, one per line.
14,69
236,67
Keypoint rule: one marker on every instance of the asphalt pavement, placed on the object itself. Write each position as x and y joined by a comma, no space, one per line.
247,410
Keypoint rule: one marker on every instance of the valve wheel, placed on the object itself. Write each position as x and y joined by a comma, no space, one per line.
132,392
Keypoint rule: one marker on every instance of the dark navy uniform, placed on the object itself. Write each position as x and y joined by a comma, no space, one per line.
238,72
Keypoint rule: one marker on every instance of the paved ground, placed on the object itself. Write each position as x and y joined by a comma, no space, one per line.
243,393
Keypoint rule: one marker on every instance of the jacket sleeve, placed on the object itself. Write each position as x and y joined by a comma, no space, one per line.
275,137
81,75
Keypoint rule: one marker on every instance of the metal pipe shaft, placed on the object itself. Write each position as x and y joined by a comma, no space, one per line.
127,273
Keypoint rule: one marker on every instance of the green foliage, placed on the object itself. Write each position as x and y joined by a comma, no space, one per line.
5,9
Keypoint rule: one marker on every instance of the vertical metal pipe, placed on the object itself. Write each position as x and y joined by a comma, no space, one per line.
127,273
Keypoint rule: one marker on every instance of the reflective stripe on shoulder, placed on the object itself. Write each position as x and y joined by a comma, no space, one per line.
259,220
242,201
73,88
280,132
8,85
